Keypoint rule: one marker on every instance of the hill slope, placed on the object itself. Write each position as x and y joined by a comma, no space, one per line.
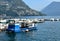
15,8
52,9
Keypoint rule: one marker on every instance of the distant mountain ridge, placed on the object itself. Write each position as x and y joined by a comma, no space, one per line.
16,8
52,9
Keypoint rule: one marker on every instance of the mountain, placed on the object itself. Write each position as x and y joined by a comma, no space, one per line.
14,8
52,9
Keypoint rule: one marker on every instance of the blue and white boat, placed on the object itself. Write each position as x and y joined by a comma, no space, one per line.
20,27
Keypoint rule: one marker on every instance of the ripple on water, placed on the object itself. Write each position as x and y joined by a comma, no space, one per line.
47,31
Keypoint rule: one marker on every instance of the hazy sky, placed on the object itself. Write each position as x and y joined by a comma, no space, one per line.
38,4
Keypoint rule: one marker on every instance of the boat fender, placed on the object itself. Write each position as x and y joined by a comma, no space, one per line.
27,30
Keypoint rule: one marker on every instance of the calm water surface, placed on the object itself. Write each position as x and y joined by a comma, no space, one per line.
47,31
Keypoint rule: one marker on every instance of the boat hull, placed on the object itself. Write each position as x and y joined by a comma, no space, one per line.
21,29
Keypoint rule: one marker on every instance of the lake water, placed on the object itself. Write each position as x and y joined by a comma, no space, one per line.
47,31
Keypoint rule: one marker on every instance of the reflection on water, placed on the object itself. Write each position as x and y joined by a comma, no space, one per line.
27,36
11,36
